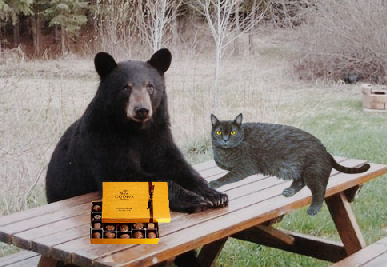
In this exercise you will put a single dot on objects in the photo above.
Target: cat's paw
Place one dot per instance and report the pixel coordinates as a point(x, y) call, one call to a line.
point(218, 199)
point(288, 192)
point(313, 210)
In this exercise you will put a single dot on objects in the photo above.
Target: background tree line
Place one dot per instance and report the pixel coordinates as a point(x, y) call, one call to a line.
point(56, 24)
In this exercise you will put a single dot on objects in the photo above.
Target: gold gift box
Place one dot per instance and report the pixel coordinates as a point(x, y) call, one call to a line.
point(131, 212)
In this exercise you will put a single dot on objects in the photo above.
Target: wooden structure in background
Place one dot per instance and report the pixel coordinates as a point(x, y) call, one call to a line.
point(374, 97)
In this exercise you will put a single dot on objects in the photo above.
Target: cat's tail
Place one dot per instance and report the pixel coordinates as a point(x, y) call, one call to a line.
point(342, 168)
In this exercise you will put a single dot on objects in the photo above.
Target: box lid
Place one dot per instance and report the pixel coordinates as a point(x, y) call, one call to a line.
point(131, 202)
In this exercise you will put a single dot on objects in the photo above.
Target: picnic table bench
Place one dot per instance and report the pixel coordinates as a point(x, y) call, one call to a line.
point(374, 255)
point(60, 231)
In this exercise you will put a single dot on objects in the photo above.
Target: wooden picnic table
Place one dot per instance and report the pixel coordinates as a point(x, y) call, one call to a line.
point(60, 231)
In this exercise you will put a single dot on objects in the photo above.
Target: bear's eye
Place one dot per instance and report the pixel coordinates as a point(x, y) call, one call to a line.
point(233, 133)
point(218, 132)
point(128, 87)
point(150, 88)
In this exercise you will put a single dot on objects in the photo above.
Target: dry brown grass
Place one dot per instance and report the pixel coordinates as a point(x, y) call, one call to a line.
point(344, 40)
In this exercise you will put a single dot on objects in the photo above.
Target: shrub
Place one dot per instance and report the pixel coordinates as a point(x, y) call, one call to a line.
point(344, 40)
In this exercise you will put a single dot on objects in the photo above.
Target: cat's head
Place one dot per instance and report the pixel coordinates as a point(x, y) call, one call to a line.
point(227, 134)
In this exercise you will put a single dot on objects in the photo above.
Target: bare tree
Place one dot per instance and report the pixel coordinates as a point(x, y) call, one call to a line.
point(226, 25)
point(154, 19)
point(114, 21)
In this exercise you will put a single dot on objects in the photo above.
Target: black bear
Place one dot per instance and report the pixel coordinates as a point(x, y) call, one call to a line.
point(124, 135)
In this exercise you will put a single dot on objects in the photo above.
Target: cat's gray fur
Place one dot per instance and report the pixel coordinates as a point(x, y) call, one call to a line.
point(273, 149)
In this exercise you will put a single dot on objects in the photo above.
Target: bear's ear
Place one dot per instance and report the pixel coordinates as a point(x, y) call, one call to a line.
point(104, 64)
point(214, 120)
point(161, 60)
point(238, 119)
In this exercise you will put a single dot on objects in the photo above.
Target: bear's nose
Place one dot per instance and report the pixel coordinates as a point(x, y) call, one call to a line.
point(141, 113)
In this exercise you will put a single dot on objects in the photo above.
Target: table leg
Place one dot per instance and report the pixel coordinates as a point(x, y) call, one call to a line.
point(167, 263)
point(294, 242)
point(210, 252)
point(345, 222)
point(47, 262)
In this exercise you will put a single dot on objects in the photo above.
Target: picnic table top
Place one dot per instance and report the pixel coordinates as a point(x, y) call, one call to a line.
point(61, 229)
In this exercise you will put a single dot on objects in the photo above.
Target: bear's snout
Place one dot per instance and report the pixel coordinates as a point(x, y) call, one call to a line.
point(141, 113)
point(139, 106)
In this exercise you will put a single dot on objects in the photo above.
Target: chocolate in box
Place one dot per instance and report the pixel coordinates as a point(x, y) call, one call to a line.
point(129, 213)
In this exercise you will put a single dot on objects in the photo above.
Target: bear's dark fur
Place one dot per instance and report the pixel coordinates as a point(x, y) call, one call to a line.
point(124, 135)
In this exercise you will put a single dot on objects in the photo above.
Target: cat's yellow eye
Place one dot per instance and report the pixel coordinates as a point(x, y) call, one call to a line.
point(233, 133)
point(218, 132)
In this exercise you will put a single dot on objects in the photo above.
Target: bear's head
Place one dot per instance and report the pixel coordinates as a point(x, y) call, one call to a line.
point(132, 90)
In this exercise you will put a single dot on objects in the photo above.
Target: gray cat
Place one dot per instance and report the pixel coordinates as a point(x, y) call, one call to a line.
point(273, 149)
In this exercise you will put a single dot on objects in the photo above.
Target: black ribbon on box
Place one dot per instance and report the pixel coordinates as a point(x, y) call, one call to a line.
point(151, 188)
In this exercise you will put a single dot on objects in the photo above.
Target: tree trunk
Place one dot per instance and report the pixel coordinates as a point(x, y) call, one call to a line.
point(218, 62)
point(1, 39)
point(36, 33)
point(62, 39)
point(16, 32)
point(57, 34)
point(175, 35)
point(238, 30)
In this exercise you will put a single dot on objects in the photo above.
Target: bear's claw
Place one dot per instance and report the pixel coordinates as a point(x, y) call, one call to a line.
point(217, 199)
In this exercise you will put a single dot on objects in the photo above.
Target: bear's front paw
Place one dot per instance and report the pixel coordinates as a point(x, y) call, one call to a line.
point(217, 199)
point(191, 204)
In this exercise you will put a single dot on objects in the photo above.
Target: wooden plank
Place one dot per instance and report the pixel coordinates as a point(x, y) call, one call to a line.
point(210, 252)
point(379, 261)
point(47, 209)
point(25, 239)
point(44, 244)
point(382, 241)
point(200, 167)
point(276, 234)
point(248, 180)
point(225, 225)
point(17, 257)
point(345, 222)
point(6, 232)
point(31, 262)
point(213, 174)
point(363, 256)
point(295, 242)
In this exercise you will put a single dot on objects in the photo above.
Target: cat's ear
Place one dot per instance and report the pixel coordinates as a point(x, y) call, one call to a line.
point(214, 120)
point(238, 119)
